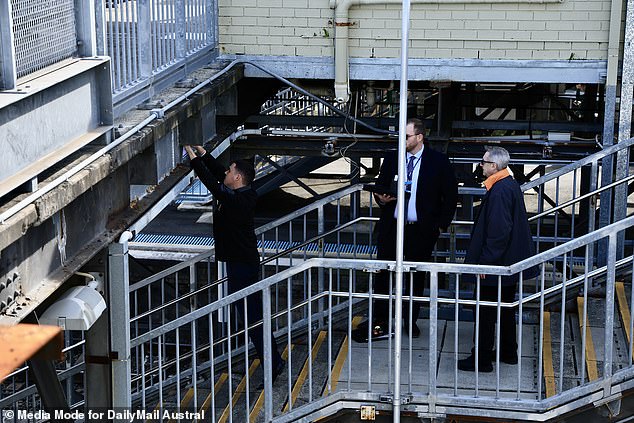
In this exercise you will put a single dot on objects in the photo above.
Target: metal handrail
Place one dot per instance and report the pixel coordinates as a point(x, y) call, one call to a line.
point(204, 288)
point(578, 164)
point(580, 198)
point(376, 265)
point(305, 210)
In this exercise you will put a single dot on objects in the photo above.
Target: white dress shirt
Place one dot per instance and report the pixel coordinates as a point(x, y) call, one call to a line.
point(410, 213)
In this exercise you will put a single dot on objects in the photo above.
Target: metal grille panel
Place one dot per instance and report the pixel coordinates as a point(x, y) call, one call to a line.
point(44, 32)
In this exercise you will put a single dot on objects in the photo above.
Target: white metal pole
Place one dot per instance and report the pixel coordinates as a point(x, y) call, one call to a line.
point(400, 214)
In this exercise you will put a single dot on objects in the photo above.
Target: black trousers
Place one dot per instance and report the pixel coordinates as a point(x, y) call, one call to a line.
point(418, 246)
point(488, 319)
point(241, 275)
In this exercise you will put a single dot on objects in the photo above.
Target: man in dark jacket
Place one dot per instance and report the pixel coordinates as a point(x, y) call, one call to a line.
point(431, 193)
point(501, 236)
point(234, 234)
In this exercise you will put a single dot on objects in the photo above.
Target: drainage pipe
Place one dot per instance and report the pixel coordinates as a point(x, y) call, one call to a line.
point(342, 23)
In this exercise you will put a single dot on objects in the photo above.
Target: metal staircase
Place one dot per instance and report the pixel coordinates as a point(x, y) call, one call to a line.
point(188, 348)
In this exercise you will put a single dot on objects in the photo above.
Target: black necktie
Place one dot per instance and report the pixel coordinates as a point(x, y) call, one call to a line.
point(408, 187)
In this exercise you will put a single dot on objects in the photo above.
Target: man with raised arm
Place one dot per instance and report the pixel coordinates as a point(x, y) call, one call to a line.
point(234, 234)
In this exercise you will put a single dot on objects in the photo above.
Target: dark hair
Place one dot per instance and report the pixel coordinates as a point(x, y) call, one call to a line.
point(246, 169)
point(419, 125)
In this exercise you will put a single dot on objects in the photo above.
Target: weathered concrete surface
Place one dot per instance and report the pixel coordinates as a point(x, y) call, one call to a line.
point(44, 244)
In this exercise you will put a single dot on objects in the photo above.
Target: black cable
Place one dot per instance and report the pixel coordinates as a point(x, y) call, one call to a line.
point(322, 101)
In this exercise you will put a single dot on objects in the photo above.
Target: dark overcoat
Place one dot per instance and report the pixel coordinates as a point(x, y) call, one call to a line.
point(501, 234)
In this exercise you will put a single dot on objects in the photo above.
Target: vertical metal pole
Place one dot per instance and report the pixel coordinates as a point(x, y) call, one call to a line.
point(98, 371)
point(144, 38)
point(119, 302)
point(320, 275)
point(609, 314)
point(100, 28)
point(85, 28)
point(625, 123)
point(181, 30)
point(594, 181)
point(8, 72)
point(400, 214)
point(433, 339)
point(268, 370)
point(193, 305)
point(209, 22)
point(614, 40)
point(215, 23)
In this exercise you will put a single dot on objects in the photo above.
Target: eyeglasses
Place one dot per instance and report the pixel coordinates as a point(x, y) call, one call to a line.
point(410, 135)
point(482, 162)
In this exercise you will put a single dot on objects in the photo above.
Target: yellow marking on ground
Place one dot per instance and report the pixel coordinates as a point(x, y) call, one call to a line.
point(339, 361)
point(221, 380)
point(189, 395)
point(304, 373)
point(590, 355)
point(260, 402)
point(239, 391)
point(549, 370)
point(624, 310)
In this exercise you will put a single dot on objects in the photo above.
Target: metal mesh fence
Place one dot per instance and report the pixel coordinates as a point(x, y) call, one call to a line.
point(44, 32)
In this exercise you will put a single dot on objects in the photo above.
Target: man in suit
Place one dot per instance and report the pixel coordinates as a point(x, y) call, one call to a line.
point(430, 204)
point(500, 236)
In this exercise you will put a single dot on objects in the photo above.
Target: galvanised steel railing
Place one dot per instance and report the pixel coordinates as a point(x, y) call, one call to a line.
point(150, 40)
point(306, 298)
point(562, 191)
point(180, 298)
point(433, 383)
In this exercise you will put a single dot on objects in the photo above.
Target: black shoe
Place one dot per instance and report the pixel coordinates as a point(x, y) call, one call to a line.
point(379, 332)
point(415, 330)
point(468, 365)
point(510, 358)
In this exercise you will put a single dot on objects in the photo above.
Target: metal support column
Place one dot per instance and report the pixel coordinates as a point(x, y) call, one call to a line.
point(400, 214)
point(119, 305)
point(8, 73)
point(614, 39)
point(625, 123)
point(85, 28)
point(98, 370)
point(609, 314)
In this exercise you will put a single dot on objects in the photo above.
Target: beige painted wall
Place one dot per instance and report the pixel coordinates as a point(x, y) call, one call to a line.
point(577, 28)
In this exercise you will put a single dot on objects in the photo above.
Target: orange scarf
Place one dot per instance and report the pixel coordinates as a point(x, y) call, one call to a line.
point(491, 180)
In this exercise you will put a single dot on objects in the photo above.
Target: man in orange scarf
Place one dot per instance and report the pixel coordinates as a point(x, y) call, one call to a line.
point(501, 236)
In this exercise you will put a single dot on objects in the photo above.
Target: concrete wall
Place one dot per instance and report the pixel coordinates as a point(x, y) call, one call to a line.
point(576, 29)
